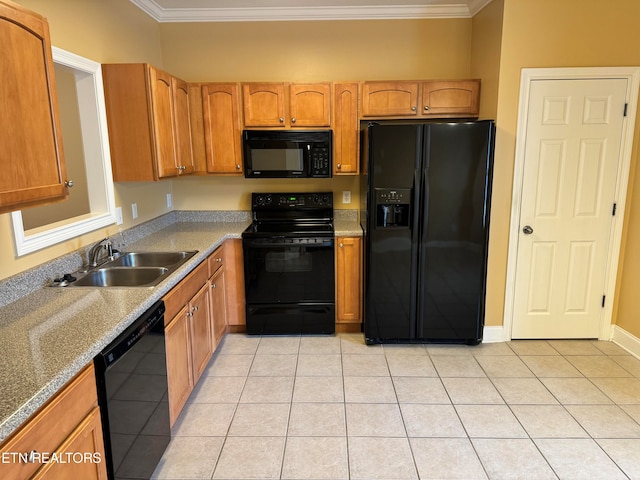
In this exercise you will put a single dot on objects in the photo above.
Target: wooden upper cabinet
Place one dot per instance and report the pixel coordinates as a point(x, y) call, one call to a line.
point(310, 105)
point(162, 121)
point(383, 99)
point(182, 126)
point(346, 128)
point(264, 104)
point(451, 98)
point(286, 105)
point(432, 98)
point(33, 168)
point(149, 122)
point(222, 128)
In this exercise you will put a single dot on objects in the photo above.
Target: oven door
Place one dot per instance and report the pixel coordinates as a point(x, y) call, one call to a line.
point(289, 285)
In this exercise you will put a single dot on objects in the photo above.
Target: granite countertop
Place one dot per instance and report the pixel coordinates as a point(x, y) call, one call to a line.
point(49, 335)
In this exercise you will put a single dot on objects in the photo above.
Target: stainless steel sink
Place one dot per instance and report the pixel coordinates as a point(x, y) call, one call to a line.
point(122, 277)
point(131, 269)
point(150, 259)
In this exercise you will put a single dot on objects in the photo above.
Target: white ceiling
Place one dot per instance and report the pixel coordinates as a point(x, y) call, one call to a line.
point(261, 10)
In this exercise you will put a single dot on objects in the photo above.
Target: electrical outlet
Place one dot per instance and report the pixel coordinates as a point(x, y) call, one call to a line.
point(119, 220)
point(346, 196)
point(169, 200)
point(134, 210)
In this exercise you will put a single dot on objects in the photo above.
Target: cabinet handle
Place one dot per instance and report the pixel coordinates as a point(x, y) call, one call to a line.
point(281, 120)
point(218, 260)
point(339, 166)
point(68, 183)
point(181, 168)
point(31, 456)
point(413, 109)
point(341, 244)
point(189, 314)
point(213, 286)
point(426, 107)
point(194, 308)
point(293, 119)
point(237, 166)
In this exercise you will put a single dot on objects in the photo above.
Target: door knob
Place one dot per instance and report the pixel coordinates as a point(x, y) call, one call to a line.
point(527, 230)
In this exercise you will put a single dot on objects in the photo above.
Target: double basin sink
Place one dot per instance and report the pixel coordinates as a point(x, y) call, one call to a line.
point(133, 269)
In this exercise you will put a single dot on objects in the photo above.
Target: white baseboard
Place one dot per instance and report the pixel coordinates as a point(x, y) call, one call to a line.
point(629, 342)
point(493, 334)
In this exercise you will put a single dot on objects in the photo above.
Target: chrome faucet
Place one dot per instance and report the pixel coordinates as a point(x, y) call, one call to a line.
point(94, 253)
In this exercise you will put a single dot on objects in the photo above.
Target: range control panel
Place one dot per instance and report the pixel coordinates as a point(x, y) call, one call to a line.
point(275, 201)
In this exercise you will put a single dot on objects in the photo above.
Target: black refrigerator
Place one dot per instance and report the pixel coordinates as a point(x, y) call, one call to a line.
point(425, 199)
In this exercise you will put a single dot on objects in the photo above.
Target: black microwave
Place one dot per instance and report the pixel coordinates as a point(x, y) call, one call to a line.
point(287, 153)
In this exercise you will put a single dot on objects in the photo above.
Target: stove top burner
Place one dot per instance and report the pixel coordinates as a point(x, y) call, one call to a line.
point(289, 229)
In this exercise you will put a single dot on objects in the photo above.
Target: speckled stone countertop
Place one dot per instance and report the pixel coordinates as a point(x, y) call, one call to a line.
point(49, 335)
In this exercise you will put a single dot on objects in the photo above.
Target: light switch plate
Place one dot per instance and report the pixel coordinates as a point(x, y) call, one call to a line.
point(119, 220)
point(346, 196)
point(134, 210)
point(169, 200)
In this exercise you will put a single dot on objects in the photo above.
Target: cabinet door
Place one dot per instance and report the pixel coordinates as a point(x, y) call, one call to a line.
point(87, 448)
point(218, 306)
point(264, 104)
point(182, 127)
point(346, 128)
point(383, 99)
point(162, 119)
point(31, 155)
point(310, 105)
point(234, 282)
point(222, 128)
point(179, 371)
point(459, 98)
point(348, 279)
point(200, 331)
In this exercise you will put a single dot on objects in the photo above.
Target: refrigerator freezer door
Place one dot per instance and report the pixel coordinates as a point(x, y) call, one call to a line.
point(390, 241)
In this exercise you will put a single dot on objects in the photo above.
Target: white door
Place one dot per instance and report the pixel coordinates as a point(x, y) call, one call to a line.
point(571, 159)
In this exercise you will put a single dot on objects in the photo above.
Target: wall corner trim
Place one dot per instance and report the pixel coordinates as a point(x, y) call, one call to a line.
point(626, 340)
point(493, 334)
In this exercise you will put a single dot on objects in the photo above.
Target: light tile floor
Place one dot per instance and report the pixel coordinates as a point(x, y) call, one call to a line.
point(333, 408)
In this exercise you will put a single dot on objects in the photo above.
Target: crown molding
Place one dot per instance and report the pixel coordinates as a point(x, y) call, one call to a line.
point(464, 9)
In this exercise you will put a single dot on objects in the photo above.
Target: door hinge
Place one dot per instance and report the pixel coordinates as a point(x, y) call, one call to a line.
point(603, 298)
point(615, 207)
point(626, 105)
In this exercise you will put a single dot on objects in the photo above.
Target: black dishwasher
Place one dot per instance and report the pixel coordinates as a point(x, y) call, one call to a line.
point(131, 375)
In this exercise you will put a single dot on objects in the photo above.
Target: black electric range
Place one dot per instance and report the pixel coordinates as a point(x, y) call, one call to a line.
point(289, 264)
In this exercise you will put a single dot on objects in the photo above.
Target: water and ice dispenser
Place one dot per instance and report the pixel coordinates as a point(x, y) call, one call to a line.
point(393, 207)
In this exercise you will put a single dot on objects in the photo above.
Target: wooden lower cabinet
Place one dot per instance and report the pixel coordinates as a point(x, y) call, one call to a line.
point(196, 319)
point(201, 332)
point(179, 370)
point(234, 284)
point(218, 311)
point(348, 283)
point(67, 424)
point(85, 439)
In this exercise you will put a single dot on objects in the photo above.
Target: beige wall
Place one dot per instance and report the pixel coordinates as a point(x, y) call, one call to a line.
point(561, 33)
point(103, 31)
point(486, 42)
point(318, 50)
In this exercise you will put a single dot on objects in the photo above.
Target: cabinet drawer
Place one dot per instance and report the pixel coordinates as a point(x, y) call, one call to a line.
point(216, 260)
point(52, 424)
point(180, 295)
